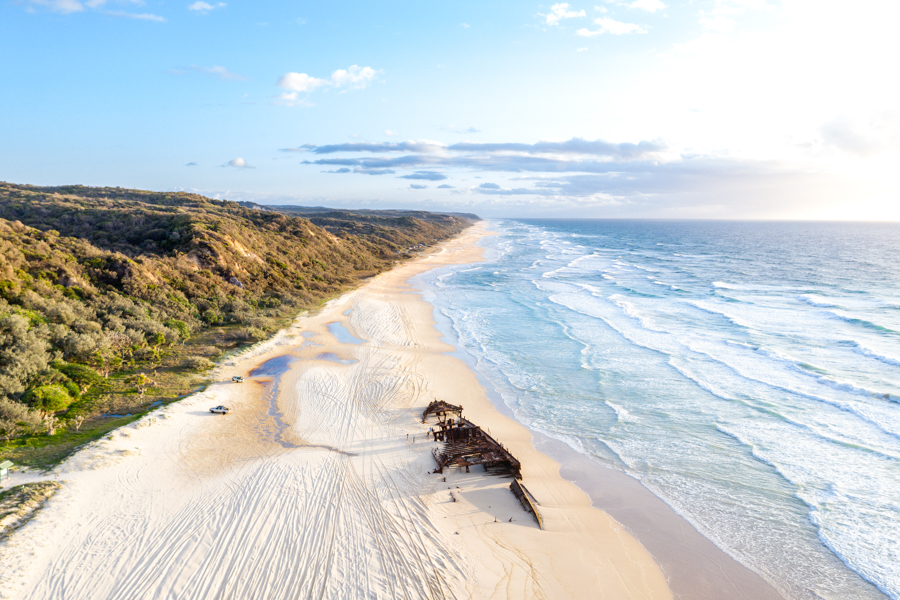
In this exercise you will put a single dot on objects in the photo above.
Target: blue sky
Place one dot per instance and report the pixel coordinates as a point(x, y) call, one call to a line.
point(646, 108)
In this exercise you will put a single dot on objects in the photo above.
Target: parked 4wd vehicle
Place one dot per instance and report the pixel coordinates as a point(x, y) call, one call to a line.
point(220, 410)
point(237, 379)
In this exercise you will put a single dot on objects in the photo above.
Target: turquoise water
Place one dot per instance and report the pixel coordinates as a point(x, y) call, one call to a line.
point(747, 373)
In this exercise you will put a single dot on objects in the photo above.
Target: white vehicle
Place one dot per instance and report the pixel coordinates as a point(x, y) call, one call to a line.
point(220, 410)
point(237, 379)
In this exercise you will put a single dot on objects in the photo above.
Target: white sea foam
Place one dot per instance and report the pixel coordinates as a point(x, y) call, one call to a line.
point(890, 360)
point(729, 400)
point(817, 301)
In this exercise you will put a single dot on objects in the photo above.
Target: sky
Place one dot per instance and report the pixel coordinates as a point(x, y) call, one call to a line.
point(722, 109)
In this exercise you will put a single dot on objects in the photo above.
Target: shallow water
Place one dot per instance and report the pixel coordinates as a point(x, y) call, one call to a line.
point(747, 373)
point(331, 356)
point(275, 426)
point(342, 334)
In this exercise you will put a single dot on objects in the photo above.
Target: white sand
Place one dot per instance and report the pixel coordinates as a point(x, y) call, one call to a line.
point(315, 492)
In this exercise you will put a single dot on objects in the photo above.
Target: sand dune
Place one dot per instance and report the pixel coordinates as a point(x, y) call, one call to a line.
point(311, 488)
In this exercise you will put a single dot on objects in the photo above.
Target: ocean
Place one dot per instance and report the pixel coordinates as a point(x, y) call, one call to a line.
point(747, 373)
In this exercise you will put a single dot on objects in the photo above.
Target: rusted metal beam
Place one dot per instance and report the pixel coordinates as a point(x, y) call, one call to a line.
point(527, 500)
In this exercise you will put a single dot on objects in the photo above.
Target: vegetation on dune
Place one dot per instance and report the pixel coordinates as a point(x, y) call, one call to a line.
point(20, 503)
point(112, 299)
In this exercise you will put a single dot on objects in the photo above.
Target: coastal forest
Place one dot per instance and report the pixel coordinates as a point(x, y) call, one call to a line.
point(113, 301)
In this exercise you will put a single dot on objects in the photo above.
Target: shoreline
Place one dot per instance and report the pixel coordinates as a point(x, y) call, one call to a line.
point(694, 566)
point(311, 478)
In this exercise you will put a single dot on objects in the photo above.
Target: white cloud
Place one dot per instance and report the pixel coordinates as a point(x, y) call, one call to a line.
point(63, 6)
point(464, 25)
point(648, 5)
point(205, 7)
point(238, 163)
point(220, 72)
point(718, 23)
point(138, 16)
point(300, 82)
point(388, 132)
point(291, 99)
point(863, 137)
point(99, 3)
point(457, 129)
point(611, 26)
point(72, 6)
point(354, 77)
point(561, 11)
point(351, 78)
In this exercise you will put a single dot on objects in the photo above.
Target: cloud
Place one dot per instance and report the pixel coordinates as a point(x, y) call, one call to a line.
point(354, 77)
point(138, 16)
point(648, 5)
point(408, 146)
point(373, 171)
point(878, 134)
point(238, 163)
point(427, 175)
point(464, 25)
point(351, 78)
point(718, 23)
point(299, 82)
point(205, 7)
point(191, 164)
point(303, 148)
point(389, 132)
point(611, 26)
point(456, 129)
point(416, 186)
point(561, 11)
point(220, 72)
point(291, 99)
point(72, 6)
point(62, 6)
point(554, 168)
point(574, 146)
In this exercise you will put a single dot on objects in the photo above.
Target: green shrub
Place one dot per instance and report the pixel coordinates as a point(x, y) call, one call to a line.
point(198, 363)
point(49, 398)
point(182, 328)
point(82, 375)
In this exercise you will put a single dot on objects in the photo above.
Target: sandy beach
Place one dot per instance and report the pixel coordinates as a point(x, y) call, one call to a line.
point(319, 484)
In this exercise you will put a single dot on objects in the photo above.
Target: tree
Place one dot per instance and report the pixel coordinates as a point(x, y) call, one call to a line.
point(51, 423)
point(17, 413)
point(78, 421)
point(23, 354)
point(10, 429)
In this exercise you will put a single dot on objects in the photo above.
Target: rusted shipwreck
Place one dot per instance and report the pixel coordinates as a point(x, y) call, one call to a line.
point(527, 500)
point(441, 410)
point(467, 444)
